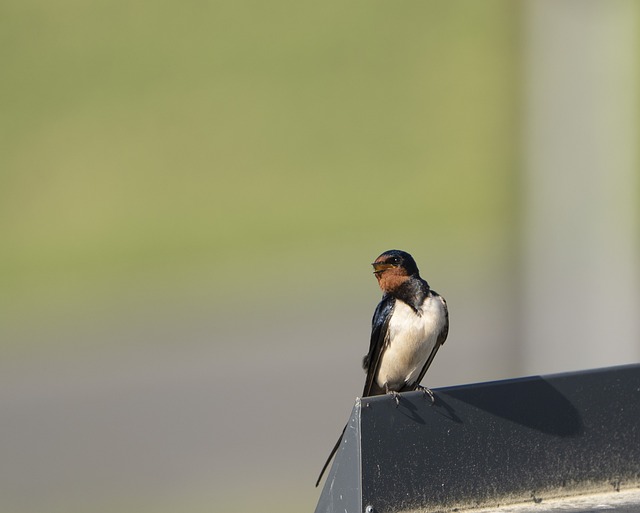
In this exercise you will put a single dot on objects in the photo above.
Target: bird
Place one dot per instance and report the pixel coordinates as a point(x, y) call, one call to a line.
point(409, 325)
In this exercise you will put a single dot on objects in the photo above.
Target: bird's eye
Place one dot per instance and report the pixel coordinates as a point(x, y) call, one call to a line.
point(395, 260)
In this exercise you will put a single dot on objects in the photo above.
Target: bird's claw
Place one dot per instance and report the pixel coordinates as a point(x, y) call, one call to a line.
point(395, 395)
point(428, 392)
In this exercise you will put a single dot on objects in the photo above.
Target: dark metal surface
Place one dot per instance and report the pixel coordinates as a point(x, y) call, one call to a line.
point(512, 441)
point(346, 495)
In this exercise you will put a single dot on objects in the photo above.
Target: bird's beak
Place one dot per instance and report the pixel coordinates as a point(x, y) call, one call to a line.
point(378, 267)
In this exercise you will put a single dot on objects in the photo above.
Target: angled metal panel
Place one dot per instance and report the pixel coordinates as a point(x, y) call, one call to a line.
point(342, 491)
point(500, 442)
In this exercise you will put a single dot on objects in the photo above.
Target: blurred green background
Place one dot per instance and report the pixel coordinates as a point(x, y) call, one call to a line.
point(151, 146)
point(191, 195)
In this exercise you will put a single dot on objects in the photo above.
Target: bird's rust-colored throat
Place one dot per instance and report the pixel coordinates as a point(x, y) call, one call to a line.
point(389, 276)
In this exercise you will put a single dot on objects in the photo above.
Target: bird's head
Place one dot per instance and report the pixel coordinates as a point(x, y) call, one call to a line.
point(393, 268)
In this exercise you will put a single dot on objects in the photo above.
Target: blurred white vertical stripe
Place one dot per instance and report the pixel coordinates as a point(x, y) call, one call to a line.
point(581, 239)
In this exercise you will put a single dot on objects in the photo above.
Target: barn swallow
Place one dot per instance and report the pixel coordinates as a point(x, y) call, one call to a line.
point(409, 325)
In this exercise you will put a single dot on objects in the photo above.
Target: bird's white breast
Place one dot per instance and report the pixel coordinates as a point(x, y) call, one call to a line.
point(412, 338)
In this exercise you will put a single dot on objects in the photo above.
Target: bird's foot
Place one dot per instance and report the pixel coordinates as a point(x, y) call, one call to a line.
point(395, 395)
point(426, 392)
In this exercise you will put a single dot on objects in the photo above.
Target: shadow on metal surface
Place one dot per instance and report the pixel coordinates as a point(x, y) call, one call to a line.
point(530, 402)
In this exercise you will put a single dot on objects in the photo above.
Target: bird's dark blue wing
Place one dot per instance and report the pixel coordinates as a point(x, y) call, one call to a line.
point(442, 336)
point(379, 338)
